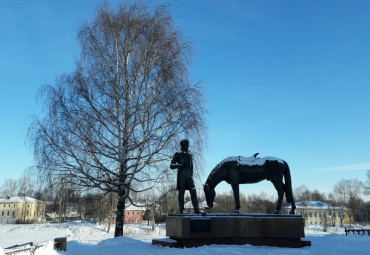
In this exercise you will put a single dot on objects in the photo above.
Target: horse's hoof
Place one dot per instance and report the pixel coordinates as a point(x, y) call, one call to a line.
point(291, 212)
point(276, 212)
point(236, 211)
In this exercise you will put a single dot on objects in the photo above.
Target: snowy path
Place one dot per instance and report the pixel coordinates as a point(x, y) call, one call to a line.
point(92, 239)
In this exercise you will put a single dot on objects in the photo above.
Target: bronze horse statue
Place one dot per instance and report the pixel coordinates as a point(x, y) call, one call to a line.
point(239, 170)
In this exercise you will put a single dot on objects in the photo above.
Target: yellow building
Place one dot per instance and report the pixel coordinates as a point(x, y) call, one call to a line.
point(18, 209)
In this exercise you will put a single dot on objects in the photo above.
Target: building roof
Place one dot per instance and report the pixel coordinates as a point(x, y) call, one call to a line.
point(315, 205)
point(131, 207)
point(19, 199)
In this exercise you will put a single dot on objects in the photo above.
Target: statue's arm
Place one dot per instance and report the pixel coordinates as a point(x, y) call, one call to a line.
point(174, 162)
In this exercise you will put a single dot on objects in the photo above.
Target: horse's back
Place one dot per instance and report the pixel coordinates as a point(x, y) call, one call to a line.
point(250, 161)
point(253, 170)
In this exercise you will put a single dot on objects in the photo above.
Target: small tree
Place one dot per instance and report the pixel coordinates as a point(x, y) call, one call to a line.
point(9, 188)
point(108, 207)
point(367, 185)
point(302, 193)
point(26, 187)
point(114, 122)
point(347, 192)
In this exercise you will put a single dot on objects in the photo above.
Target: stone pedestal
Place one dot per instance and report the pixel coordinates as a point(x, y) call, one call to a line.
point(255, 229)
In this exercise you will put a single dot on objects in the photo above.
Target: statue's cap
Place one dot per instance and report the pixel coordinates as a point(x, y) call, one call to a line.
point(184, 142)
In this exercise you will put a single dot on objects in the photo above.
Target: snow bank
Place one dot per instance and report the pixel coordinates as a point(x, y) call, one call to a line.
point(337, 244)
point(47, 249)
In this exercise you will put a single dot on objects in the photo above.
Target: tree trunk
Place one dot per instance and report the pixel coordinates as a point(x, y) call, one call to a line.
point(109, 224)
point(120, 214)
point(153, 218)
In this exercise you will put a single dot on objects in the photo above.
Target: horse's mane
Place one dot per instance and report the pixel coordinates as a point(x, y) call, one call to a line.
point(216, 170)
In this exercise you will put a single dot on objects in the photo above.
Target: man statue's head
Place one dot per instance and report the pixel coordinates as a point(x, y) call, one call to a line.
point(184, 143)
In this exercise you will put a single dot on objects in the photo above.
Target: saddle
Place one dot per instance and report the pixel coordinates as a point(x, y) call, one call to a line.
point(244, 160)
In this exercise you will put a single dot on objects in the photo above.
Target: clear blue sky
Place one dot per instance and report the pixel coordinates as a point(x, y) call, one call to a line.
point(288, 79)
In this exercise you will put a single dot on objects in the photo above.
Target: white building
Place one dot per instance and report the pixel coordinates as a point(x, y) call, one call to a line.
point(317, 212)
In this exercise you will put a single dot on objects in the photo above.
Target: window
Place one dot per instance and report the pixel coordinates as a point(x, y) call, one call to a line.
point(137, 220)
point(137, 213)
point(128, 221)
point(128, 213)
point(7, 213)
point(132, 220)
point(13, 213)
point(2, 214)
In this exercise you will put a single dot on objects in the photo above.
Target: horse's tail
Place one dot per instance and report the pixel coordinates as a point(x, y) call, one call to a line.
point(288, 185)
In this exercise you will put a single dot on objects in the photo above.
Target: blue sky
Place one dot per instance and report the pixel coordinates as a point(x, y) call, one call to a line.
point(288, 79)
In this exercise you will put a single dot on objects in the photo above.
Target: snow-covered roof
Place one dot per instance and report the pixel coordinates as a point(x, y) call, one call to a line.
point(315, 205)
point(131, 207)
point(19, 199)
point(189, 205)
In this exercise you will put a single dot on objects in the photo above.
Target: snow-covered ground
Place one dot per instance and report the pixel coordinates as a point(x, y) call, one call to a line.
point(84, 238)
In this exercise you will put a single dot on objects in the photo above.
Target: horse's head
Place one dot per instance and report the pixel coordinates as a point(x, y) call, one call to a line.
point(210, 195)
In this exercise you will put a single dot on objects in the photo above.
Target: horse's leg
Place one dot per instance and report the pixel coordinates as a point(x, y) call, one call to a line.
point(235, 187)
point(280, 190)
point(292, 211)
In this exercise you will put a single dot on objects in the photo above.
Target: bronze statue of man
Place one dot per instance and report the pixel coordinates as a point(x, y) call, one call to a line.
point(183, 161)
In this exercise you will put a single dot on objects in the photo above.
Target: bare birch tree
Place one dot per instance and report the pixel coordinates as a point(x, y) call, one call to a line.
point(114, 122)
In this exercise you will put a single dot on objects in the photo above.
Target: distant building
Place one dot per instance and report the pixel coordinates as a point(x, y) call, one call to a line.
point(133, 214)
point(18, 209)
point(317, 212)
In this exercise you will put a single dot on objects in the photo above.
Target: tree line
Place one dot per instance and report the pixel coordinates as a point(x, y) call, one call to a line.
point(62, 199)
